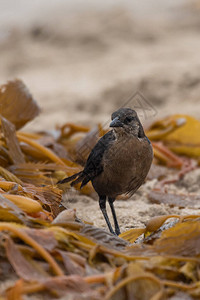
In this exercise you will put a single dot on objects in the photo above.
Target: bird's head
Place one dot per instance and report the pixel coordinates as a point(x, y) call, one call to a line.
point(126, 120)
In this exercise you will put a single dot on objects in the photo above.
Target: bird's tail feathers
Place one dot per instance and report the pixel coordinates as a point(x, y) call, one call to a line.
point(86, 179)
point(79, 179)
point(70, 178)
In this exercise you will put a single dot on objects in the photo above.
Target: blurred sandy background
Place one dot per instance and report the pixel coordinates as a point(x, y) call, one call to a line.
point(83, 59)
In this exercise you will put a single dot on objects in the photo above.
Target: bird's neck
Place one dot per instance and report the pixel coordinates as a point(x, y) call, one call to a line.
point(120, 133)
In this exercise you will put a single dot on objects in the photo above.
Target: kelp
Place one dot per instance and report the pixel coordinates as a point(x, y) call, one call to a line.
point(180, 133)
point(54, 254)
point(48, 252)
point(17, 104)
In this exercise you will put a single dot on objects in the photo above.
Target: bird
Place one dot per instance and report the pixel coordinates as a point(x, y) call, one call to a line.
point(119, 162)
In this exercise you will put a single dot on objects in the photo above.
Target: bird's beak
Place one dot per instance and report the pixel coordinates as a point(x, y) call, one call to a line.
point(116, 123)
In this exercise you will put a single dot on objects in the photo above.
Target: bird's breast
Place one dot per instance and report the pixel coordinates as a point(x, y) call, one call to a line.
point(125, 166)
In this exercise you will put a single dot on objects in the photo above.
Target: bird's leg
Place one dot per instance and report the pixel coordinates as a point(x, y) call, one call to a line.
point(117, 230)
point(102, 204)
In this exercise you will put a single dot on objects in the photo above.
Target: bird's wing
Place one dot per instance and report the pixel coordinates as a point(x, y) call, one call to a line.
point(94, 165)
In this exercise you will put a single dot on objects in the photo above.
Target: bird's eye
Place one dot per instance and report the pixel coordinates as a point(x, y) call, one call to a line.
point(128, 120)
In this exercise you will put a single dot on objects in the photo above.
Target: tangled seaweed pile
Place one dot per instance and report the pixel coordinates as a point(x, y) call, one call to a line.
point(47, 253)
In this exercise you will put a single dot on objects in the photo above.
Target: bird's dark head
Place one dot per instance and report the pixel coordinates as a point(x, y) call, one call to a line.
point(126, 120)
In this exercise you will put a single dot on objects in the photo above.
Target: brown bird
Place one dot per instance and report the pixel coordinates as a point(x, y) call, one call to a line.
point(118, 163)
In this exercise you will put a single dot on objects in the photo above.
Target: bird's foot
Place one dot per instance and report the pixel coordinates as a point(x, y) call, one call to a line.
point(117, 231)
point(112, 231)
